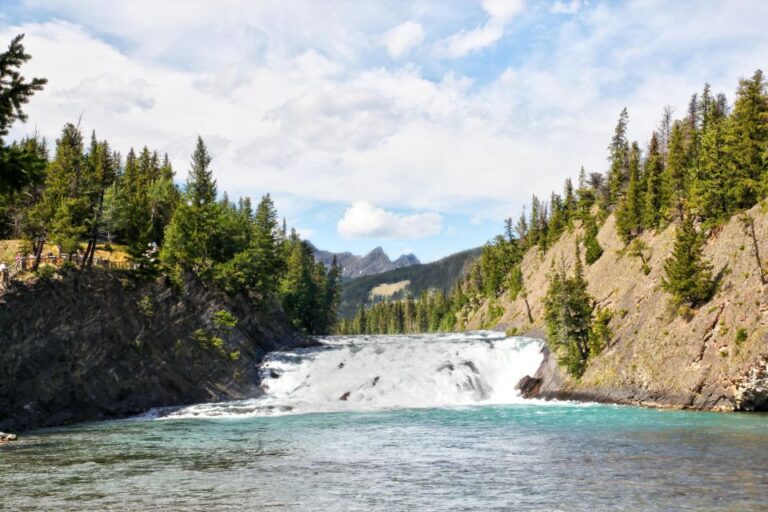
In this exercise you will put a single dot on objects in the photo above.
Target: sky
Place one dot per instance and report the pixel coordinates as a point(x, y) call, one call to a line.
point(416, 126)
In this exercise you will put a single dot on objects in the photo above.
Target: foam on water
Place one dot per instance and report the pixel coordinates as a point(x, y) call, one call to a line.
point(386, 372)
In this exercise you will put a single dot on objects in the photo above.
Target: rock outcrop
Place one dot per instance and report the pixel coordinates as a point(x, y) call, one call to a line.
point(375, 262)
point(708, 358)
point(95, 344)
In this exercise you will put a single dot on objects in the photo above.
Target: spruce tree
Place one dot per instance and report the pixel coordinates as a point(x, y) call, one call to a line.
point(629, 214)
point(618, 174)
point(688, 275)
point(746, 140)
point(14, 93)
point(593, 248)
point(568, 316)
point(675, 180)
point(201, 187)
point(709, 197)
point(654, 168)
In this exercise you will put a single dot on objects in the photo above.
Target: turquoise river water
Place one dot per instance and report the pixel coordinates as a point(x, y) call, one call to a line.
point(397, 424)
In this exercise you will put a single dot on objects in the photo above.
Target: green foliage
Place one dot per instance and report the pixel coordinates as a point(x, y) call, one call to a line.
point(439, 275)
point(573, 327)
point(688, 276)
point(15, 169)
point(600, 333)
point(618, 175)
point(741, 335)
point(592, 246)
point(146, 308)
point(629, 214)
point(223, 320)
point(430, 312)
point(46, 272)
point(639, 249)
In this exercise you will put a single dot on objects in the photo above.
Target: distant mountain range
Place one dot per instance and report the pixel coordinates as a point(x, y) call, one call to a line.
point(354, 266)
point(407, 280)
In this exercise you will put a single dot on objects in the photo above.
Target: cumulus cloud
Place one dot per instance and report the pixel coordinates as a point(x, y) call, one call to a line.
point(310, 109)
point(500, 13)
point(402, 38)
point(365, 220)
point(110, 94)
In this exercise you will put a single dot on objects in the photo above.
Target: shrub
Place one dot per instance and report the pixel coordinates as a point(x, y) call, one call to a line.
point(46, 272)
point(146, 307)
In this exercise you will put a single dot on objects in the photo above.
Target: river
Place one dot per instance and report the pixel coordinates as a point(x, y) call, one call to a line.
point(396, 423)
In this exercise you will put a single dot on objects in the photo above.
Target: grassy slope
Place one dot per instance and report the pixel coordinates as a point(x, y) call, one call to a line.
point(655, 355)
point(9, 248)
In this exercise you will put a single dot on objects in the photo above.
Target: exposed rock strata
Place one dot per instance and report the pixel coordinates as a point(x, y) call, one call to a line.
point(95, 345)
point(658, 357)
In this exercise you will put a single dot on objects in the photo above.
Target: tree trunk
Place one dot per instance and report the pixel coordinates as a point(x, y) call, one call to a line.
point(38, 252)
point(528, 309)
point(757, 251)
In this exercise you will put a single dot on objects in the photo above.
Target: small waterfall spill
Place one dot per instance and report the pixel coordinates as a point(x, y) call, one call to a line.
point(385, 372)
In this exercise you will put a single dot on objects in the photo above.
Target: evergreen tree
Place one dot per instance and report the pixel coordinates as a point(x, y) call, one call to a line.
point(629, 214)
point(688, 275)
point(14, 93)
point(674, 184)
point(654, 168)
point(201, 187)
point(746, 140)
point(710, 189)
point(593, 248)
point(63, 210)
point(618, 175)
point(568, 316)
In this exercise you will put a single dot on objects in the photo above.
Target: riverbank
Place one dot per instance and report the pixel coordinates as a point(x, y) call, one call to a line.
point(708, 358)
point(92, 345)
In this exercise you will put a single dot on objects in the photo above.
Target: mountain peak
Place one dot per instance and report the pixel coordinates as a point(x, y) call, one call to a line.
point(375, 262)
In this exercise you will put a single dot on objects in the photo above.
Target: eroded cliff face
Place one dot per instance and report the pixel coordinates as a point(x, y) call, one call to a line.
point(657, 357)
point(94, 345)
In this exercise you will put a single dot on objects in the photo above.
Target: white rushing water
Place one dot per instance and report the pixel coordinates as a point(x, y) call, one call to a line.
point(385, 372)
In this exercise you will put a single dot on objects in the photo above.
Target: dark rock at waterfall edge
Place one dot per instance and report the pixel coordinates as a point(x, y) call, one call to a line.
point(96, 345)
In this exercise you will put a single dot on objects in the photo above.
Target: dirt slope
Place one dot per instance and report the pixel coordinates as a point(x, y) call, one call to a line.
point(656, 357)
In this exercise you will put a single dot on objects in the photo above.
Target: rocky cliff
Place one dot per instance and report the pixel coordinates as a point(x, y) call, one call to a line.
point(354, 266)
point(93, 345)
point(712, 358)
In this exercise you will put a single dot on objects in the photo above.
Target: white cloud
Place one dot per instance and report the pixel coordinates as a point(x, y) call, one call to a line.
point(403, 38)
point(110, 94)
point(295, 111)
point(561, 7)
point(466, 41)
point(365, 220)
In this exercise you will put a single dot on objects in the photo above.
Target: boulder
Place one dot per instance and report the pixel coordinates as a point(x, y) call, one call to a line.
point(529, 386)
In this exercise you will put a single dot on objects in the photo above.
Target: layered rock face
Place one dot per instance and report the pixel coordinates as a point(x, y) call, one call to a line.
point(711, 358)
point(94, 345)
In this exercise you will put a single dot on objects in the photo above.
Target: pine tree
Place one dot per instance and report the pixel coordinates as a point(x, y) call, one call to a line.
point(688, 275)
point(593, 248)
point(100, 175)
point(568, 316)
point(14, 93)
point(618, 174)
point(629, 214)
point(709, 197)
point(746, 140)
point(675, 178)
point(201, 187)
point(64, 208)
point(654, 168)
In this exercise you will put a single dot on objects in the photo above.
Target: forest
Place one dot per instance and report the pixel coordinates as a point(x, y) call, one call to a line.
point(81, 194)
point(695, 172)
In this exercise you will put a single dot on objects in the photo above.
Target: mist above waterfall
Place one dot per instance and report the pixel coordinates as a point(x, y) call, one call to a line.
point(385, 372)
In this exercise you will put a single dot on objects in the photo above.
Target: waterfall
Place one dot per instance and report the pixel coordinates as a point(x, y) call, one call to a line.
point(386, 372)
